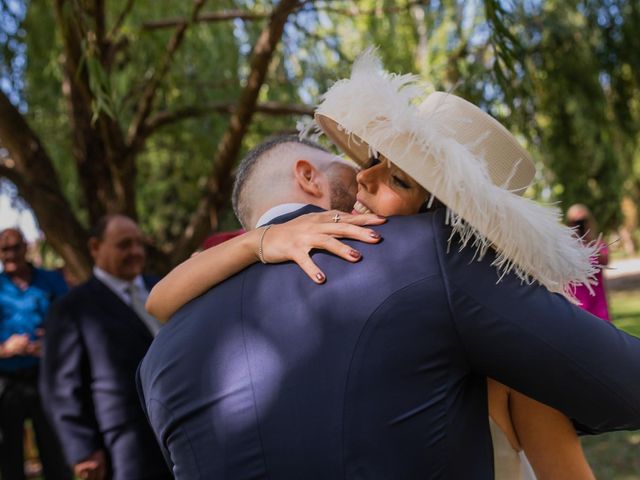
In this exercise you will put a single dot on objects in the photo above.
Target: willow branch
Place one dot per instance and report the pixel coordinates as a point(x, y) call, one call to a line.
point(225, 15)
point(120, 20)
point(206, 17)
point(354, 10)
point(162, 119)
point(100, 28)
point(150, 89)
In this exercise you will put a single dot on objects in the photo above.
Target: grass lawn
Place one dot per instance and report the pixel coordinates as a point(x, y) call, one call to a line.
point(616, 456)
point(625, 306)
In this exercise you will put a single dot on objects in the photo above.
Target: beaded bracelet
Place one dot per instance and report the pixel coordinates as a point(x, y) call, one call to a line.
point(260, 251)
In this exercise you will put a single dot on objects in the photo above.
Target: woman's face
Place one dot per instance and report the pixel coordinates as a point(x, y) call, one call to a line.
point(386, 190)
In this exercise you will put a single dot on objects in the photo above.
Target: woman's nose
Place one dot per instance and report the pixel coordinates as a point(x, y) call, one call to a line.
point(365, 179)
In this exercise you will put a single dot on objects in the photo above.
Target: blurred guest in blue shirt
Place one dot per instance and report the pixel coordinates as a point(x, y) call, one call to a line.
point(25, 295)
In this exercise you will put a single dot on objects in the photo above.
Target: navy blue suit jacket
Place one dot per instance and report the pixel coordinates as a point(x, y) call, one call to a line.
point(93, 345)
point(380, 372)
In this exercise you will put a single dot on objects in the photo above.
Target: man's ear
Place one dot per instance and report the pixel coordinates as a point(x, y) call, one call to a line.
point(308, 178)
point(93, 245)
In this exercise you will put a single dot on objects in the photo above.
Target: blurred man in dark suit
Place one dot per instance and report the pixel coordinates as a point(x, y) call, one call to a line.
point(96, 337)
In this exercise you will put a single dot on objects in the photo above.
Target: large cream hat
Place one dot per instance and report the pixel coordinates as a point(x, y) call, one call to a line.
point(466, 159)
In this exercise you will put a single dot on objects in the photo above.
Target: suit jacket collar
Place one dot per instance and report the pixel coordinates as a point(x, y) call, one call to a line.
point(277, 211)
point(118, 285)
point(295, 214)
point(113, 305)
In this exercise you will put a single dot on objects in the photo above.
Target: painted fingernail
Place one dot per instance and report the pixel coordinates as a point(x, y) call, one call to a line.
point(354, 253)
point(320, 276)
point(374, 234)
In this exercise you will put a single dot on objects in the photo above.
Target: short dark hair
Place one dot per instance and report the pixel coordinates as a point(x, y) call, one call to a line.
point(248, 163)
point(16, 230)
point(100, 227)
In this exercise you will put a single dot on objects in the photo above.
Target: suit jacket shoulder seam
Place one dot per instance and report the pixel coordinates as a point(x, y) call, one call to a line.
point(355, 347)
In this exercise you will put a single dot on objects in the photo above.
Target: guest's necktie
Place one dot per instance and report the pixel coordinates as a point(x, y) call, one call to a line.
point(137, 304)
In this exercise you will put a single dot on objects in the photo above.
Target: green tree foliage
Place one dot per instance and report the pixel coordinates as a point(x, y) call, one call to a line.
point(562, 75)
point(137, 108)
point(580, 100)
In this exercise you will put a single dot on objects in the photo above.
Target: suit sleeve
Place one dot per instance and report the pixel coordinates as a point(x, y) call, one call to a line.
point(65, 384)
point(143, 402)
point(543, 346)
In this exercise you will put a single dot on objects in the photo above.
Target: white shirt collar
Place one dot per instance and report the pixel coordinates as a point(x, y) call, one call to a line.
point(277, 211)
point(118, 285)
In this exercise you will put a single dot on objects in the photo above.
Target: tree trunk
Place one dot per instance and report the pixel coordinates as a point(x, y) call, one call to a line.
point(31, 170)
point(107, 173)
point(219, 180)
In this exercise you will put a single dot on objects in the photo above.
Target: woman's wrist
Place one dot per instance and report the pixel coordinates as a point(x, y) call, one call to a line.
point(251, 244)
point(261, 244)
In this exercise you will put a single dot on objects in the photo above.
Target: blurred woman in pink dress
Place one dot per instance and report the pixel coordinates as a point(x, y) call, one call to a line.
point(580, 217)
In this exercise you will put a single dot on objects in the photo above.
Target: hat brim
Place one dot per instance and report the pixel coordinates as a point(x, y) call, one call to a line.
point(501, 149)
point(351, 144)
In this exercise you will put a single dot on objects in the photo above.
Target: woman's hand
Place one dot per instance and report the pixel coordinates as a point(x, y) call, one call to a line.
point(280, 243)
point(296, 238)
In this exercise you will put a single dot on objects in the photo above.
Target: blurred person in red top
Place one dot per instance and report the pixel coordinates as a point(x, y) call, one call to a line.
point(219, 237)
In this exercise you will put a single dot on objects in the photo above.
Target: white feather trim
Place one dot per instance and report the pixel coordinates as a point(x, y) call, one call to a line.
point(528, 238)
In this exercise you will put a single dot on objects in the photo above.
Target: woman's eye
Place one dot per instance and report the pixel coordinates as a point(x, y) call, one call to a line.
point(373, 161)
point(401, 183)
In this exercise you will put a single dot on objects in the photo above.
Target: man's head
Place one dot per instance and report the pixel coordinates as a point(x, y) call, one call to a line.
point(117, 246)
point(579, 216)
point(13, 250)
point(577, 212)
point(287, 169)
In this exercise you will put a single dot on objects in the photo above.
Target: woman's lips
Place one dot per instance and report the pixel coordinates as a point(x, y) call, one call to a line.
point(359, 208)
